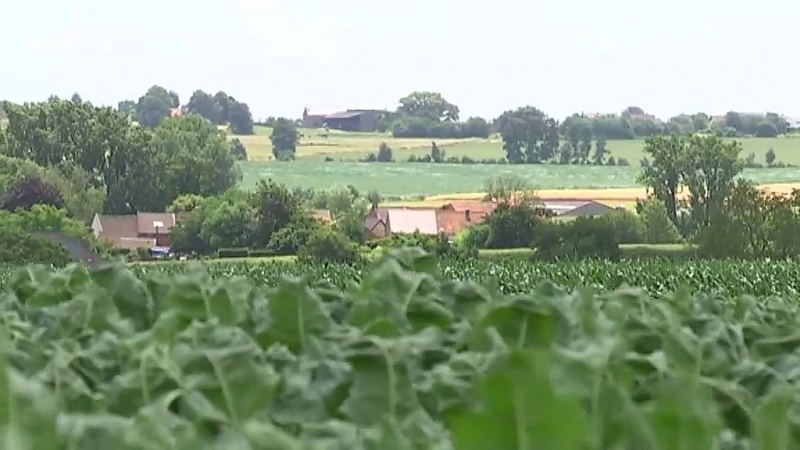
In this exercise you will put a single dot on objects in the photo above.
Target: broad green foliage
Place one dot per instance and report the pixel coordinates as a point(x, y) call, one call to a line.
point(405, 359)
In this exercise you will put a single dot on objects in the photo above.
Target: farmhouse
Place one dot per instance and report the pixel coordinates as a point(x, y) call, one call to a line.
point(448, 219)
point(577, 208)
point(363, 120)
point(315, 117)
point(383, 222)
point(453, 217)
point(792, 125)
point(140, 230)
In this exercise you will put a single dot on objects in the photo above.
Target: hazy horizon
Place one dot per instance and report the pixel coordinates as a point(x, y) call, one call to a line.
point(562, 57)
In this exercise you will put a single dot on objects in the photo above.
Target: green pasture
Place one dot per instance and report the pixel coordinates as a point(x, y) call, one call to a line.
point(346, 146)
point(409, 179)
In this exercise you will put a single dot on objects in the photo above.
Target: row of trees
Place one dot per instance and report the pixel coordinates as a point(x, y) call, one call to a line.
point(158, 104)
point(99, 161)
point(697, 181)
point(272, 219)
point(429, 114)
point(521, 221)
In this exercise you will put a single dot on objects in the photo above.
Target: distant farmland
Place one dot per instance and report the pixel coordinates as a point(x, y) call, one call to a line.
point(353, 146)
point(409, 179)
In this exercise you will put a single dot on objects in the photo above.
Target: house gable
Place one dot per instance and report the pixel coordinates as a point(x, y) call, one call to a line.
point(589, 209)
point(133, 230)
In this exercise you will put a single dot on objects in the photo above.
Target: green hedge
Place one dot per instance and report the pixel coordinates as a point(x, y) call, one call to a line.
point(667, 251)
point(241, 252)
point(627, 251)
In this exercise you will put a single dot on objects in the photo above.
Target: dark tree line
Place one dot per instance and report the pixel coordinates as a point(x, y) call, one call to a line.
point(98, 156)
point(158, 104)
point(429, 114)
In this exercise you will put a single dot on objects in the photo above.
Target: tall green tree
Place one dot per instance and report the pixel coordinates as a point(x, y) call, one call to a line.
point(154, 106)
point(275, 207)
point(58, 132)
point(196, 158)
point(428, 105)
point(529, 136)
point(127, 107)
point(285, 138)
point(223, 103)
point(203, 104)
point(709, 169)
point(663, 174)
point(240, 119)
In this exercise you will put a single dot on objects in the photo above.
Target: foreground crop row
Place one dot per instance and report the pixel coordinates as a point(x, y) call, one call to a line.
point(402, 360)
point(760, 278)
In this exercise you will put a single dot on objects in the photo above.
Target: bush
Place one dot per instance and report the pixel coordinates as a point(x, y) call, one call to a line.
point(418, 127)
point(241, 252)
point(512, 226)
point(32, 190)
point(139, 254)
point(584, 237)
point(328, 246)
point(19, 248)
point(628, 227)
point(475, 236)
point(289, 239)
point(659, 229)
point(238, 150)
point(436, 244)
point(668, 251)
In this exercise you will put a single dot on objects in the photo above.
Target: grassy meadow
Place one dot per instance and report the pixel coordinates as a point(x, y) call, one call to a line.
point(344, 146)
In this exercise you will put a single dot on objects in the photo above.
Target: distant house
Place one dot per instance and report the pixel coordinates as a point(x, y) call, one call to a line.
point(363, 120)
point(719, 119)
point(353, 120)
point(455, 216)
point(376, 223)
point(176, 112)
point(577, 208)
point(140, 230)
point(315, 117)
point(383, 222)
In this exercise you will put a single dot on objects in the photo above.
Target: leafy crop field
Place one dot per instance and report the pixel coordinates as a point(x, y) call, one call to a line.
point(513, 276)
point(406, 179)
point(172, 357)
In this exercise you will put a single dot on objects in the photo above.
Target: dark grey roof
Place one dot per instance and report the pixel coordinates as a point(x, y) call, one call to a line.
point(345, 115)
point(588, 209)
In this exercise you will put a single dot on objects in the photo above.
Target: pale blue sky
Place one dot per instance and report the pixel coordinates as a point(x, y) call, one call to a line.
point(561, 56)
